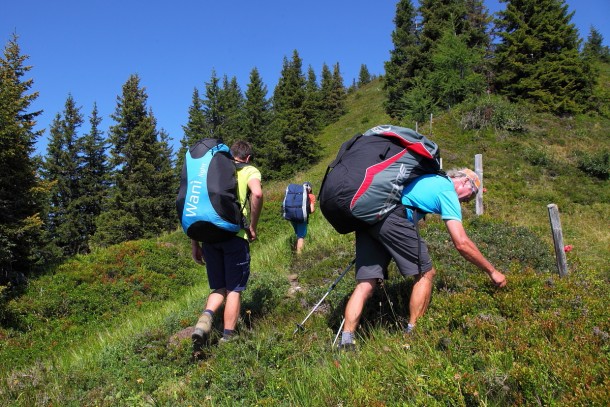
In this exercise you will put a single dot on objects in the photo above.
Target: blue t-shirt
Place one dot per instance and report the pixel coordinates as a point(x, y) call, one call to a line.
point(432, 194)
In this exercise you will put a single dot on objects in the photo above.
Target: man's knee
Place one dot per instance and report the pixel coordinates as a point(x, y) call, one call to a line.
point(428, 274)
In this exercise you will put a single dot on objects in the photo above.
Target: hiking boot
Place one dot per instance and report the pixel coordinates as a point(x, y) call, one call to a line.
point(203, 327)
point(347, 347)
point(226, 339)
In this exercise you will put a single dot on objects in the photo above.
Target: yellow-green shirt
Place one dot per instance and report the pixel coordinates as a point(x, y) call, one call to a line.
point(244, 175)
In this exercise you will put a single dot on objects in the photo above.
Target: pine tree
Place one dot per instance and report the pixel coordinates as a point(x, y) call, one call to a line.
point(62, 168)
point(405, 59)
point(290, 120)
point(141, 201)
point(21, 193)
point(339, 93)
point(537, 58)
point(364, 76)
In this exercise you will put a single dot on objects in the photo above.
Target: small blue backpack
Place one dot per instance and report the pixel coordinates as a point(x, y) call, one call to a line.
point(295, 206)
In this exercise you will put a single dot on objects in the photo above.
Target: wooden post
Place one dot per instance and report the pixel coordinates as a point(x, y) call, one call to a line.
point(560, 254)
point(478, 169)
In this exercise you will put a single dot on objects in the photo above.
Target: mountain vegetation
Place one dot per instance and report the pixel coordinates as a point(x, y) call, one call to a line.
point(97, 285)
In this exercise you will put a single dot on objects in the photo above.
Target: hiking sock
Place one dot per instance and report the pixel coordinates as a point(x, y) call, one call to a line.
point(209, 311)
point(409, 328)
point(347, 337)
point(228, 333)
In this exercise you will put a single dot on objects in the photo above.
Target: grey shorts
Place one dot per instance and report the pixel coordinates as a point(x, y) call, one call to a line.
point(393, 238)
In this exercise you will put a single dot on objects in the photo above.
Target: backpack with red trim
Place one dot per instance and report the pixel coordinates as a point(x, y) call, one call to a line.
point(365, 181)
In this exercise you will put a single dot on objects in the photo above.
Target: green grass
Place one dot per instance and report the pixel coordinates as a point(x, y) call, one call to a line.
point(99, 330)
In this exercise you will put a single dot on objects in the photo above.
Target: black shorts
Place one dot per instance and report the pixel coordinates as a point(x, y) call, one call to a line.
point(393, 238)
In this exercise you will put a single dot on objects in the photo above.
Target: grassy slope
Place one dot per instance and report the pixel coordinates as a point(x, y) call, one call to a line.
point(542, 340)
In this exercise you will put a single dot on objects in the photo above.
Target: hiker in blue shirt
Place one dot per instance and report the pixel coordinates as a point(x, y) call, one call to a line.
point(397, 237)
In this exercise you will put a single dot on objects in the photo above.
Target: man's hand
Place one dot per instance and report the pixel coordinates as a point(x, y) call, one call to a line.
point(497, 278)
point(196, 252)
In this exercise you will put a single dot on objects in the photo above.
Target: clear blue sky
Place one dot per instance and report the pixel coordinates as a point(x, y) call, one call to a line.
point(89, 48)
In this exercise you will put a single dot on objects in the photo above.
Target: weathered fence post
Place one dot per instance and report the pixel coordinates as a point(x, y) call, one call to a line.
point(478, 168)
point(560, 255)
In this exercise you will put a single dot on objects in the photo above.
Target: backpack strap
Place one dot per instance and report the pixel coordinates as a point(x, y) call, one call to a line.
point(238, 166)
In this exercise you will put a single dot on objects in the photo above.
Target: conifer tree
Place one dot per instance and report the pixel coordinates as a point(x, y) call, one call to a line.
point(21, 194)
point(364, 76)
point(257, 121)
point(594, 47)
point(141, 201)
point(94, 181)
point(537, 58)
point(212, 107)
point(405, 60)
point(326, 95)
point(290, 120)
point(232, 106)
point(338, 94)
point(453, 76)
point(313, 103)
point(61, 167)
point(194, 130)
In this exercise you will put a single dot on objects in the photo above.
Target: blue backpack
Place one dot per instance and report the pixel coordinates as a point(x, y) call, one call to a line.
point(207, 203)
point(296, 203)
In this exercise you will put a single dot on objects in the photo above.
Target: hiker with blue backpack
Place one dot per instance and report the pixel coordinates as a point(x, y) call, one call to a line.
point(217, 185)
point(299, 202)
point(379, 186)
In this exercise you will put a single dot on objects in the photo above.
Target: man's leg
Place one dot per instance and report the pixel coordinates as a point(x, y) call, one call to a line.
point(232, 308)
point(300, 244)
point(420, 296)
point(353, 309)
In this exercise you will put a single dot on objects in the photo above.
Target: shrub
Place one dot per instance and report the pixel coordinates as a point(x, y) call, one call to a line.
point(595, 164)
point(492, 111)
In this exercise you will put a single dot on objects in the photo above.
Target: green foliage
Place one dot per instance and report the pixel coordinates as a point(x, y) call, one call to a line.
point(596, 164)
point(492, 111)
point(88, 293)
point(541, 340)
point(537, 58)
point(21, 192)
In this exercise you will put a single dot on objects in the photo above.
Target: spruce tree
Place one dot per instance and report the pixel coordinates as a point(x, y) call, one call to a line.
point(257, 121)
point(141, 200)
point(21, 201)
point(232, 107)
point(61, 167)
point(537, 58)
point(338, 94)
point(364, 76)
point(405, 60)
point(94, 181)
point(212, 106)
point(195, 129)
point(326, 95)
point(290, 119)
point(594, 47)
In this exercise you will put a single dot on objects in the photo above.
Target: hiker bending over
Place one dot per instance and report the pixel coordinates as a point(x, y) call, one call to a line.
point(300, 228)
point(397, 237)
point(228, 262)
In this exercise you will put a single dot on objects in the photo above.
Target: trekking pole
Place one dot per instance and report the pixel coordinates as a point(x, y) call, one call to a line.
point(339, 331)
point(300, 326)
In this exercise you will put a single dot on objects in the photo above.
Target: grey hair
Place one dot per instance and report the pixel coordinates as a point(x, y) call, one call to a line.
point(457, 173)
